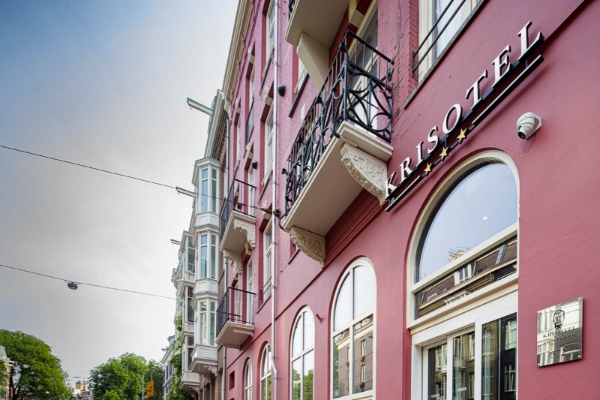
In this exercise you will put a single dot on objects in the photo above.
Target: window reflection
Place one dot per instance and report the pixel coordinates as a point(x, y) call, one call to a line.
point(438, 371)
point(480, 205)
point(463, 365)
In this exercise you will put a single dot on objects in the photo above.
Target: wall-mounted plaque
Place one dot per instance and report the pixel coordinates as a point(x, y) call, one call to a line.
point(559, 333)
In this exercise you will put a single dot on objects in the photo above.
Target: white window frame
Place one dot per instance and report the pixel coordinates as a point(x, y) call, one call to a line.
point(248, 381)
point(469, 312)
point(269, 128)
point(348, 274)
point(267, 260)
point(251, 191)
point(265, 373)
point(427, 15)
point(212, 188)
point(238, 134)
point(270, 29)
point(211, 246)
point(249, 295)
point(444, 313)
point(302, 315)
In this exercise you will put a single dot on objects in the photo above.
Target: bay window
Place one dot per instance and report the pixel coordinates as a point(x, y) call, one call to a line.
point(206, 322)
point(208, 189)
point(208, 256)
point(191, 255)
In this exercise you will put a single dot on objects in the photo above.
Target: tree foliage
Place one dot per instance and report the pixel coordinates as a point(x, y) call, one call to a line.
point(3, 380)
point(175, 393)
point(121, 378)
point(36, 373)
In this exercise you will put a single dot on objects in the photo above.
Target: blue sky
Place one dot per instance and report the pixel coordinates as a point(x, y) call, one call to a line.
point(102, 83)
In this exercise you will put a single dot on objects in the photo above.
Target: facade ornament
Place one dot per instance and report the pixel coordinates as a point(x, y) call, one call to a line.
point(309, 243)
point(370, 172)
point(248, 228)
point(237, 260)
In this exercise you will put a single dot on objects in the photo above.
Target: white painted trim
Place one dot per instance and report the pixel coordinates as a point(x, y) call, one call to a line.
point(348, 273)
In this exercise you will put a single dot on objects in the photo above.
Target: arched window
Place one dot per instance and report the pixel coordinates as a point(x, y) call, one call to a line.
point(465, 242)
point(480, 204)
point(265, 374)
point(248, 381)
point(303, 356)
point(353, 333)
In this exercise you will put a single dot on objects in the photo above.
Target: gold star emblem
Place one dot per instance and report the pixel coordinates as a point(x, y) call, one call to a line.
point(444, 153)
point(462, 135)
point(427, 169)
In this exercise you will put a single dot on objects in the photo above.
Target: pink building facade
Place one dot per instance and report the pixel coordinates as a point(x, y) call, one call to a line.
point(409, 183)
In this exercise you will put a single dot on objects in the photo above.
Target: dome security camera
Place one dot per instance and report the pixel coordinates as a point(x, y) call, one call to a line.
point(528, 124)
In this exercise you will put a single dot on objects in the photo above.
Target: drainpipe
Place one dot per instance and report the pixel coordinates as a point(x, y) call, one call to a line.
point(274, 230)
point(224, 375)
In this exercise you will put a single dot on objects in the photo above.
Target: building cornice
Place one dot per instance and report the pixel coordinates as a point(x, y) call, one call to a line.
point(240, 27)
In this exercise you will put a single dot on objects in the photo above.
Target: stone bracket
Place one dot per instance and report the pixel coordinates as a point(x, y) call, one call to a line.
point(370, 172)
point(309, 243)
point(248, 228)
point(237, 260)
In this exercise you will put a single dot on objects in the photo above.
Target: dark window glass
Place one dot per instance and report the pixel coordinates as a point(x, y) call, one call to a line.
point(480, 205)
point(499, 363)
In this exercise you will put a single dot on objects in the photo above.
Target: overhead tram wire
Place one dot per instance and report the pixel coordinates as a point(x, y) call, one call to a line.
point(113, 173)
point(84, 283)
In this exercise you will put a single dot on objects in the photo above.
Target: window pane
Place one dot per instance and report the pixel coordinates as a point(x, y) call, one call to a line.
point(297, 380)
point(213, 199)
point(508, 358)
point(297, 341)
point(489, 355)
point(438, 366)
point(204, 195)
point(341, 364)
point(309, 330)
point(203, 258)
point(213, 257)
point(363, 364)
point(308, 376)
point(364, 291)
point(481, 205)
point(341, 314)
point(463, 364)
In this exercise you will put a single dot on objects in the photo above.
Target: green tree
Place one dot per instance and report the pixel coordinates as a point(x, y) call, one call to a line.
point(121, 378)
point(36, 373)
point(3, 380)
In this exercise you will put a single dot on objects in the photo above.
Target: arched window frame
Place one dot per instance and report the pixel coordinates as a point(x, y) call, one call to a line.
point(349, 273)
point(248, 380)
point(494, 303)
point(265, 374)
point(302, 315)
point(413, 287)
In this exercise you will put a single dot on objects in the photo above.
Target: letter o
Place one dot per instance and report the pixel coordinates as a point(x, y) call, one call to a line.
point(458, 109)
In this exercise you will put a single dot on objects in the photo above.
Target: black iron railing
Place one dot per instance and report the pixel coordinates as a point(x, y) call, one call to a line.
point(250, 122)
point(291, 4)
point(237, 306)
point(416, 60)
point(358, 89)
point(233, 203)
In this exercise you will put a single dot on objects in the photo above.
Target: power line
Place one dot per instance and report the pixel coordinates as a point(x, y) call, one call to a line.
point(113, 173)
point(84, 283)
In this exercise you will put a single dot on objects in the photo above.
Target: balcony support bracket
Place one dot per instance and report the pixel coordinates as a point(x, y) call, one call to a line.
point(309, 243)
point(237, 260)
point(246, 227)
point(370, 172)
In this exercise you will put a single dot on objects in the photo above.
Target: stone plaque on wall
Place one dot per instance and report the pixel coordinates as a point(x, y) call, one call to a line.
point(559, 333)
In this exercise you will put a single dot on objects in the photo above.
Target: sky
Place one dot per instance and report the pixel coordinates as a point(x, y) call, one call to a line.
point(102, 83)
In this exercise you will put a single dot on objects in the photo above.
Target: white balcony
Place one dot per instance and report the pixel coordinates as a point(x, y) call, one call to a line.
point(190, 381)
point(233, 334)
point(204, 360)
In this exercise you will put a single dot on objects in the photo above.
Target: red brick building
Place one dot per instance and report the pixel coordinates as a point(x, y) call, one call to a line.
point(408, 184)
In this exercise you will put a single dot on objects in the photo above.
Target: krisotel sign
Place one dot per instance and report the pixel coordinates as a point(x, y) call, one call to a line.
point(456, 126)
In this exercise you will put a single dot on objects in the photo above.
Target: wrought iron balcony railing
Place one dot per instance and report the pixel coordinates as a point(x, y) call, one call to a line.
point(236, 306)
point(232, 203)
point(291, 4)
point(357, 89)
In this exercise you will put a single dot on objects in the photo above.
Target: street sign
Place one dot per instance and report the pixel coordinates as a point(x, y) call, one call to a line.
point(150, 389)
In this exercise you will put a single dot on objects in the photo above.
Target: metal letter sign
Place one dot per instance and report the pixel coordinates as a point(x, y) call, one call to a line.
point(559, 333)
point(150, 389)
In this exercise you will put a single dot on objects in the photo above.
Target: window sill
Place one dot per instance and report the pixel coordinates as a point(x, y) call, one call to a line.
point(443, 55)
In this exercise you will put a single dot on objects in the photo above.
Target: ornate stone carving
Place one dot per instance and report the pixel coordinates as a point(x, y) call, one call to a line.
point(370, 172)
point(248, 228)
point(237, 261)
point(309, 243)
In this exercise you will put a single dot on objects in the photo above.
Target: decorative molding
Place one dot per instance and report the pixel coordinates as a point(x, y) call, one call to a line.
point(237, 260)
point(309, 243)
point(248, 228)
point(370, 172)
